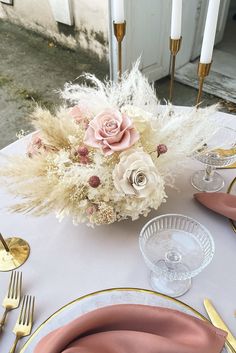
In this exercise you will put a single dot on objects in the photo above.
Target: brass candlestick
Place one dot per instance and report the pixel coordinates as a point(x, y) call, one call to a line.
point(119, 31)
point(203, 71)
point(175, 45)
point(13, 253)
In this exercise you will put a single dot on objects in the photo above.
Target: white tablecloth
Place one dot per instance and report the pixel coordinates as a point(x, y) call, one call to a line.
point(68, 261)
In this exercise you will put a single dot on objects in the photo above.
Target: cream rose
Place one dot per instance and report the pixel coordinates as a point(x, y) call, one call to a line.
point(136, 174)
point(140, 118)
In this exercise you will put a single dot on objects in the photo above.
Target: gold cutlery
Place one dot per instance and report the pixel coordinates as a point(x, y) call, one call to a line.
point(24, 322)
point(218, 322)
point(12, 298)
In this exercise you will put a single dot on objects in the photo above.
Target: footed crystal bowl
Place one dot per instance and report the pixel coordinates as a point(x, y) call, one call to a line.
point(219, 152)
point(175, 248)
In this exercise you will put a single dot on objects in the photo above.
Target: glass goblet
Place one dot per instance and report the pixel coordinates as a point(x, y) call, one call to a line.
point(220, 151)
point(175, 248)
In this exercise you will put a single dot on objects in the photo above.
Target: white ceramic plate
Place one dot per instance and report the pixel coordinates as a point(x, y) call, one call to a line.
point(100, 299)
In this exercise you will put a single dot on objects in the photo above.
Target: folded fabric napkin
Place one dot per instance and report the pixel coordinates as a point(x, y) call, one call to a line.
point(131, 328)
point(224, 204)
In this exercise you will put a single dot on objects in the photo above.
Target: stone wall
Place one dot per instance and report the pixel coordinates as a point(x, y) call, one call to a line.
point(89, 31)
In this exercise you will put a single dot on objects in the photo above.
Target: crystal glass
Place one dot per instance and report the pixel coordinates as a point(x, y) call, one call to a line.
point(220, 151)
point(175, 248)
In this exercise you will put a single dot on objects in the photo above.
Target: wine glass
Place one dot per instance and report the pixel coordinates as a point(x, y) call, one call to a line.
point(220, 151)
point(175, 248)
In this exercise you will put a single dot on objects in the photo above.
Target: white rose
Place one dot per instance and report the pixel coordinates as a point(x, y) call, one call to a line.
point(141, 119)
point(136, 174)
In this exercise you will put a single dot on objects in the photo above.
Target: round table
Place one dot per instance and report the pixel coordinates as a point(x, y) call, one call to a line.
point(68, 261)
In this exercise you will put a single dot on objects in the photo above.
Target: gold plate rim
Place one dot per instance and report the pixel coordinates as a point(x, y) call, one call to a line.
point(142, 290)
point(233, 223)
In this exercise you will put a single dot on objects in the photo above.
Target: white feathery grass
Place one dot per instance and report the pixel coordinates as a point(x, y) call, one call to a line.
point(55, 179)
point(133, 89)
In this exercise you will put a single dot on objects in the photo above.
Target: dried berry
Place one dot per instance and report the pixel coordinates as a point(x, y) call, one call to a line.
point(82, 151)
point(94, 181)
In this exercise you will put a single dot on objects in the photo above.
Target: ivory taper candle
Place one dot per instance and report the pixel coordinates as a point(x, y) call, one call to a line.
point(210, 31)
point(118, 11)
point(176, 19)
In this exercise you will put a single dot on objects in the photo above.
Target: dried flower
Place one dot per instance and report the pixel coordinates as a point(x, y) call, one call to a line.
point(112, 131)
point(82, 151)
point(91, 210)
point(84, 160)
point(120, 177)
point(105, 215)
point(135, 174)
point(37, 146)
point(161, 149)
point(94, 181)
point(34, 145)
point(80, 113)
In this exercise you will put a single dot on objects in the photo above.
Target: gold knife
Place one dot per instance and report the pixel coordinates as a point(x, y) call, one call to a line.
point(218, 322)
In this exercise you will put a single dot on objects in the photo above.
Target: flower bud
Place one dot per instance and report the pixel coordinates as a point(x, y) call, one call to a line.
point(161, 149)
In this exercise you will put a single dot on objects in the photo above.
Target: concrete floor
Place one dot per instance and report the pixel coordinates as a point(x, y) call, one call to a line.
point(183, 95)
point(33, 68)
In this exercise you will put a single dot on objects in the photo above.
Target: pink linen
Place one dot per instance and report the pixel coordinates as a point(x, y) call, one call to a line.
point(224, 204)
point(131, 328)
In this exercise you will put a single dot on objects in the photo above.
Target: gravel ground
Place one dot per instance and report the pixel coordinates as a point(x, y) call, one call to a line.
point(32, 70)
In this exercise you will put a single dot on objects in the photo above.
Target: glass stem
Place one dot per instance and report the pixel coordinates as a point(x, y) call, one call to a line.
point(172, 259)
point(209, 172)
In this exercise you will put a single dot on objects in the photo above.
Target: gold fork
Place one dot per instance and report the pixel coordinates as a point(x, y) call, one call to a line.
point(24, 322)
point(12, 298)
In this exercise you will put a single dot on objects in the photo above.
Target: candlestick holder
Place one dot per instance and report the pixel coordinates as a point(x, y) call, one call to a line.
point(13, 253)
point(175, 45)
point(119, 32)
point(203, 71)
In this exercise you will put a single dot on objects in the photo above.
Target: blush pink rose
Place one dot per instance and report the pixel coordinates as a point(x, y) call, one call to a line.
point(112, 131)
point(36, 145)
point(80, 114)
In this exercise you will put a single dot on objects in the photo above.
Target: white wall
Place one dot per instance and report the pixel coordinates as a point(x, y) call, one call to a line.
point(90, 22)
point(93, 13)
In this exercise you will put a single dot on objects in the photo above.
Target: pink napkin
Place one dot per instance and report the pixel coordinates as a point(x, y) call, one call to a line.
point(131, 328)
point(224, 204)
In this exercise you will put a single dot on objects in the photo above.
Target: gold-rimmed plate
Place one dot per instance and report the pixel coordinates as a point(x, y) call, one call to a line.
point(103, 298)
point(232, 190)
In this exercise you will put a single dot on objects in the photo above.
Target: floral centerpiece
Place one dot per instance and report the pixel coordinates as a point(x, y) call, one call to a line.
point(109, 156)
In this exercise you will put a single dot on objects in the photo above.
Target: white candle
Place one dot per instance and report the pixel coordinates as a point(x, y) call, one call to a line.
point(210, 31)
point(118, 11)
point(176, 19)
